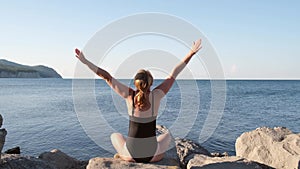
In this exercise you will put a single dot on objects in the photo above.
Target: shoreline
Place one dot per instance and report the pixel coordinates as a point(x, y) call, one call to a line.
point(188, 154)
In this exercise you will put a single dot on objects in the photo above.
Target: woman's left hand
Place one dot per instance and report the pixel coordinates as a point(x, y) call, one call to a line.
point(80, 56)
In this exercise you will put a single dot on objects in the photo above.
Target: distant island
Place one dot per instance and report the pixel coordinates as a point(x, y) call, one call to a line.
point(10, 69)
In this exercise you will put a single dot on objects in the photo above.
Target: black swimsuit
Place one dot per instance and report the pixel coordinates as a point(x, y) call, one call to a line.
point(141, 142)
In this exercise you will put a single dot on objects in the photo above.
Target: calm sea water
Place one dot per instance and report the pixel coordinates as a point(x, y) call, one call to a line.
point(39, 114)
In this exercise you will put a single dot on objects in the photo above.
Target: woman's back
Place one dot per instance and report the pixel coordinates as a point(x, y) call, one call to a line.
point(154, 98)
point(141, 142)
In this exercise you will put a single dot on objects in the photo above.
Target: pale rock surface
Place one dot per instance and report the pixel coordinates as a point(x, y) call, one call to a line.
point(111, 163)
point(278, 147)
point(204, 162)
point(170, 159)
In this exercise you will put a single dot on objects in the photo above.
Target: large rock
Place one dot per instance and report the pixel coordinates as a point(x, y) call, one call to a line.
point(111, 163)
point(278, 147)
point(187, 149)
point(48, 160)
point(200, 161)
point(62, 160)
point(15, 161)
point(170, 159)
point(3, 134)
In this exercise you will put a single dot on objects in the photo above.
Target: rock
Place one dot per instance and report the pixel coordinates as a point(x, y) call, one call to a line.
point(48, 160)
point(170, 159)
point(3, 134)
point(278, 147)
point(111, 163)
point(15, 150)
point(187, 149)
point(232, 162)
point(62, 160)
point(15, 161)
point(217, 154)
point(1, 120)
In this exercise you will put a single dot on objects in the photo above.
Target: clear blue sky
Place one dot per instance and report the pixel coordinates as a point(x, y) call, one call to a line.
point(254, 38)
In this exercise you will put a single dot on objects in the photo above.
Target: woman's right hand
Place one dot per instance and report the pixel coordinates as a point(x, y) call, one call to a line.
point(80, 56)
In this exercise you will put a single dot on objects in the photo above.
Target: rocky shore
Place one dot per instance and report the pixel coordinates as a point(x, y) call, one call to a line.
point(263, 148)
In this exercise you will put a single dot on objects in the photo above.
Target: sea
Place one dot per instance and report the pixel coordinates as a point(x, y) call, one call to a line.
point(45, 114)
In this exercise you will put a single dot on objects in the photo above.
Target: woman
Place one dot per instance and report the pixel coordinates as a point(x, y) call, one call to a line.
point(141, 145)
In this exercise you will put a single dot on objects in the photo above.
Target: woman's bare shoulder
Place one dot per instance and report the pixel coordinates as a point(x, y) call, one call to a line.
point(158, 93)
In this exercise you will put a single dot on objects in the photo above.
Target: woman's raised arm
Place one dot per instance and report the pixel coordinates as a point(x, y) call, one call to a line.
point(118, 87)
point(167, 84)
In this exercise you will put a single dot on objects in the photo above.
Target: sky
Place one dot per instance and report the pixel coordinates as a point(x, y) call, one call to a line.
point(253, 39)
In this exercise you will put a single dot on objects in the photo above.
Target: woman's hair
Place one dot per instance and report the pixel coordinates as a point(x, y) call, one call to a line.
point(142, 81)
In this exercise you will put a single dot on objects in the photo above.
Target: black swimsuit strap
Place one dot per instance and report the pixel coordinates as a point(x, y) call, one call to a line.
point(152, 104)
point(132, 111)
